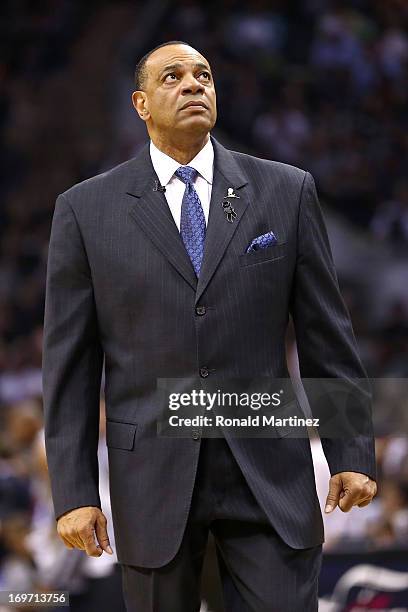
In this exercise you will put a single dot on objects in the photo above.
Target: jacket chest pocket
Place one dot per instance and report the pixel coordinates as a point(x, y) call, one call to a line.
point(274, 252)
point(120, 435)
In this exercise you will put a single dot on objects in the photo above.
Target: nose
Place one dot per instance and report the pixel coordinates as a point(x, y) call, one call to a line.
point(191, 85)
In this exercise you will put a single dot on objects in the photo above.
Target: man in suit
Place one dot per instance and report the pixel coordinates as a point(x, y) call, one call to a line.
point(151, 268)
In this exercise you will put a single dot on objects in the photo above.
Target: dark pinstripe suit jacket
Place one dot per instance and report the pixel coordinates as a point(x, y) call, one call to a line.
point(120, 285)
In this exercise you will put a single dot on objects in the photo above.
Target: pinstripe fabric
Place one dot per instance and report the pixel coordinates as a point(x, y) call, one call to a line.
point(120, 284)
point(259, 571)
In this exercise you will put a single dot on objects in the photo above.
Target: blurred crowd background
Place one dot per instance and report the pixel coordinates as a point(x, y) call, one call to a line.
point(319, 84)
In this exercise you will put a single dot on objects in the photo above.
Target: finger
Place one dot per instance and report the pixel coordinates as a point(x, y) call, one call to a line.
point(102, 534)
point(335, 488)
point(364, 503)
point(358, 489)
point(75, 538)
point(66, 536)
point(66, 542)
point(351, 497)
point(88, 539)
point(68, 529)
point(364, 500)
point(365, 497)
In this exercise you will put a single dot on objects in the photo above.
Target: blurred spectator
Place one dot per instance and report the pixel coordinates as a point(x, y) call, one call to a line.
point(393, 52)
point(32, 556)
point(390, 220)
point(390, 530)
point(335, 45)
point(282, 133)
point(255, 29)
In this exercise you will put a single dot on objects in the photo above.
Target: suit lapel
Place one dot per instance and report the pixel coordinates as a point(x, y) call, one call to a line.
point(219, 233)
point(149, 209)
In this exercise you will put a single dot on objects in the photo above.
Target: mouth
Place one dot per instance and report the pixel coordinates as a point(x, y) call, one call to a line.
point(195, 104)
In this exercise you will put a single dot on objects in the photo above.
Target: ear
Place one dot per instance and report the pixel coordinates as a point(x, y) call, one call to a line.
point(139, 102)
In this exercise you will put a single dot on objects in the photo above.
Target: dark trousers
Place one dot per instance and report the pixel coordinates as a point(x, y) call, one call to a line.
point(259, 572)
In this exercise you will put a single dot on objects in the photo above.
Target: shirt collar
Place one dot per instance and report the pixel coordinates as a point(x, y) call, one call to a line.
point(165, 166)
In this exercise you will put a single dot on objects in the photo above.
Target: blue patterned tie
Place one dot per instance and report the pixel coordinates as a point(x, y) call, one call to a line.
point(192, 224)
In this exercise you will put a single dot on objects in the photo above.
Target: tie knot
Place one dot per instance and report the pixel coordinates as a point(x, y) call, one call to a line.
point(186, 173)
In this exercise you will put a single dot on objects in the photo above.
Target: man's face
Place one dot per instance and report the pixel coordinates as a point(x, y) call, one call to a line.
point(178, 92)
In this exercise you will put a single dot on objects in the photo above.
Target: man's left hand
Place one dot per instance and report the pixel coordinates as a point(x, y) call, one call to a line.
point(348, 489)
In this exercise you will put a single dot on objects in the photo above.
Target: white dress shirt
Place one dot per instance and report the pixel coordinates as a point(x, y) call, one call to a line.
point(165, 168)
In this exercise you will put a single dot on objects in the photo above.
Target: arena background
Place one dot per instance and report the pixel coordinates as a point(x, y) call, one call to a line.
point(319, 84)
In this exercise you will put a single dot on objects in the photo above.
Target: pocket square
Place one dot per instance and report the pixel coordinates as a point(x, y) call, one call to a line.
point(262, 242)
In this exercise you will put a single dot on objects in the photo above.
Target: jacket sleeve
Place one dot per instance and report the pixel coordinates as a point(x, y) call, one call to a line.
point(326, 344)
point(71, 367)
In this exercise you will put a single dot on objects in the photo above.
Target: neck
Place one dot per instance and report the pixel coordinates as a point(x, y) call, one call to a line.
point(182, 152)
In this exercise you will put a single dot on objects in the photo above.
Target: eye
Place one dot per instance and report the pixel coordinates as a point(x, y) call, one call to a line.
point(205, 74)
point(170, 74)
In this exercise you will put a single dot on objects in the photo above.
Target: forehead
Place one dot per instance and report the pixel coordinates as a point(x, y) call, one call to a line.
point(173, 54)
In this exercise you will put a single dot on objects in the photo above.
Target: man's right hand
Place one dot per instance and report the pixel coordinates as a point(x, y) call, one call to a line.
point(76, 529)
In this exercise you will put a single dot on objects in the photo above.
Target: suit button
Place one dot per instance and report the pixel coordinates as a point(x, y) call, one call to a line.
point(196, 435)
point(200, 310)
point(204, 372)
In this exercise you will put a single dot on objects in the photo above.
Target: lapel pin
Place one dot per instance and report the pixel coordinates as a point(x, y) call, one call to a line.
point(231, 193)
point(229, 211)
point(158, 187)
